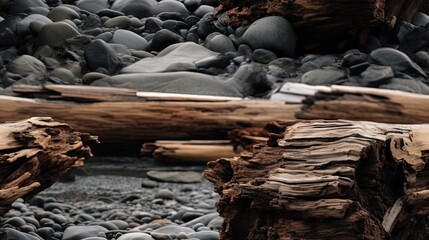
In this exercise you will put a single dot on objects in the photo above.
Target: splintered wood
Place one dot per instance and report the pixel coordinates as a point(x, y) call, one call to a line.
point(34, 153)
point(327, 180)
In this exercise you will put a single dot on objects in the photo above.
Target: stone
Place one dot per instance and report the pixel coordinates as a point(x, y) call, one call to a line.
point(191, 5)
point(170, 6)
point(324, 77)
point(15, 221)
point(396, 59)
point(205, 235)
point(420, 19)
point(274, 33)
point(187, 52)
point(153, 25)
point(28, 67)
point(106, 36)
point(205, 26)
point(406, 85)
point(65, 75)
point(136, 236)
point(253, 80)
point(62, 13)
point(164, 193)
point(136, 23)
point(354, 58)
point(93, 6)
point(45, 232)
point(358, 68)
point(317, 62)
point(81, 232)
point(92, 76)
point(109, 13)
point(54, 34)
point(137, 8)
point(216, 223)
point(219, 43)
point(175, 176)
point(174, 25)
point(23, 27)
point(219, 61)
point(174, 229)
point(422, 59)
point(162, 39)
point(130, 39)
point(374, 76)
point(122, 22)
point(28, 6)
point(203, 10)
point(203, 220)
point(14, 234)
point(170, 16)
point(263, 56)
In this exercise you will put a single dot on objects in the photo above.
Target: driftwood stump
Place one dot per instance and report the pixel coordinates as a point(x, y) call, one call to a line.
point(327, 180)
point(34, 153)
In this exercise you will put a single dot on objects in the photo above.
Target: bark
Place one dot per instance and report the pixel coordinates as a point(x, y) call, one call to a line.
point(327, 180)
point(34, 153)
point(195, 152)
point(366, 104)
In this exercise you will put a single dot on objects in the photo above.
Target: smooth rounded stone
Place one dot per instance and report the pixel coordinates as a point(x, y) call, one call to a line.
point(136, 236)
point(325, 77)
point(136, 23)
point(205, 235)
point(213, 3)
point(406, 85)
point(396, 59)
point(253, 79)
point(45, 232)
point(27, 66)
point(354, 58)
point(122, 22)
point(80, 232)
point(93, 32)
point(50, 206)
point(170, 16)
point(162, 39)
point(220, 43)
point(203, 10)
point(54, 34)
point(94, 238)
point(62, 13)
point(358, 68)
point(120, 224)
point(420, 19)
point(130, 39)
point(205, 26)
point(15, 221)
point(376, 75)
point(15, 234)
point(66, 76)
point(164, 194)
point(203, 220)
point(82, 217)
point(422, 59)
point(317, 63)
point(174, 25)
point(274, 33)
point(28, 6)
point(32, 221)
point(192, 5)
point(216, 223)
point(106, 36)
point(23, 27)
point(36, 27)
point(173, 229)
point(170, 6)
point(93, 6)
point(175, 176)
point(142, 54)
point(137, 8)
point(263, 56)
point(176, 82)
point(153, 25)
point(219, 61)
point(147, 183)
point(109, 13)
point(187, 52)
point(107, 225)
point(244, 50)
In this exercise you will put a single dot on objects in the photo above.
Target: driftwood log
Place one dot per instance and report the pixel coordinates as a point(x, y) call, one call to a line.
point(324, 22)
point(34, 153)
point(327, 180)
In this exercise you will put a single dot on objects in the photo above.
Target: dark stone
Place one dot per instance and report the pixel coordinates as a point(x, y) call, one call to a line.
point(420, 19)
point(354, 58)
point(100, 55)
point(358, 68)
point(205, 26)
point(109, 13)
point(219, 61)
point(374, 76)
point(203, 10)
point(406, 85)
point(7, 38)
point(170, 16)
point(137, 8)
point(192, 20)
point(153, 25)
point(263, 56)
point(317, 62)
point(324, 77)
point(92, 6)
point(416, 40)
point(174, 25)
point(191, 5)
point(170, 6)
point(163, 39)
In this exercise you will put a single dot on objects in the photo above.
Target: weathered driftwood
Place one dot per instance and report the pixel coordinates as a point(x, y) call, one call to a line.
point(199, 152)
point(324, 22)
point(130, 124)
point(327, 180)
point(34, 153)
point(366, 104)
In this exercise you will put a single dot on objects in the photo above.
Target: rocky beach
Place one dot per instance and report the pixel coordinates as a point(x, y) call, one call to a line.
point(171, 46)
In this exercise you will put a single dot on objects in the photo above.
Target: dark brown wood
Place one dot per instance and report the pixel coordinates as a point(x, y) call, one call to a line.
point(327, 180)
point(34, 153)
